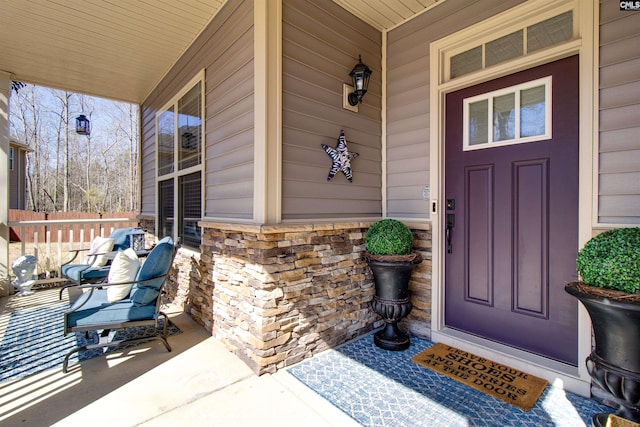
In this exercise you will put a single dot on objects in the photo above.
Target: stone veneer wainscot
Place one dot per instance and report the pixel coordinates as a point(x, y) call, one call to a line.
point(275, 295)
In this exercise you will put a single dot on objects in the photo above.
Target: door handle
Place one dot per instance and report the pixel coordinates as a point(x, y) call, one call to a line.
point(451, 222)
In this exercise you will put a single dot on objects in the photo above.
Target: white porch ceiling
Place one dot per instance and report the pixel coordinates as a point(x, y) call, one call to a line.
point(386, 14)
point(120, 49)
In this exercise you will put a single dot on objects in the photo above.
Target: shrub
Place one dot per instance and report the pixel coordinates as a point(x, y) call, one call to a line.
point(611, 260)
point(389, 237)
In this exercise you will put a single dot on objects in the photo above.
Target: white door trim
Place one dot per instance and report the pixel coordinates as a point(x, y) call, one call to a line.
point(584, 43)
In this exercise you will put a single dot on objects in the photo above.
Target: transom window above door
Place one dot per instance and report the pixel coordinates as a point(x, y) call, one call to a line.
point(513, 115)
point(524, 41)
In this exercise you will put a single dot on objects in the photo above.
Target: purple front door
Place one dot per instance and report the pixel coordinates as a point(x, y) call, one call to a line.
point(512, 215)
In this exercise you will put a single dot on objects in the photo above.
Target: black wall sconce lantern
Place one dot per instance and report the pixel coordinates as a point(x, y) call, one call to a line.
point(360, 76)
point(83, 125)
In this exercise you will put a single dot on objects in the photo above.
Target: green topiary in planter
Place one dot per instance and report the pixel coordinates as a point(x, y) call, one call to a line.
point(611, 260)
point(389, 237)
point(391, 259)
point(609, 267)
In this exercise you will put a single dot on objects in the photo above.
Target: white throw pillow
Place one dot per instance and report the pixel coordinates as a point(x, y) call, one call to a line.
point(124, 268)
point(99, 245)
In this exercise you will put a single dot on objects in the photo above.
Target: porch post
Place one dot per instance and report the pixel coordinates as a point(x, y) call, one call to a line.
point(267, 180)
point(5, 92)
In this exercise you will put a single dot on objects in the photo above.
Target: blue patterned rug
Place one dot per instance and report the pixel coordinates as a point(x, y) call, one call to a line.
point(385, 388)
point(34, 342)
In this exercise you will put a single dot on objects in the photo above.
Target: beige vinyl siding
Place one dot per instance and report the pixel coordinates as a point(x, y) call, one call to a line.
point(229, 162)
point(225, 51)
point(619, 144)
point(408, 98)
point(321, 44)
point(147, 160)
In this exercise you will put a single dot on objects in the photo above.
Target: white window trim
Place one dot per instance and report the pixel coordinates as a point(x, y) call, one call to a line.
point(177, 173)
point(517, 89)
point(498, 29)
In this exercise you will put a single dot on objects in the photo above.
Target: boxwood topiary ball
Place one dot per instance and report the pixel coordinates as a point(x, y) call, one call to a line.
point(611, 260)
point(389, 237)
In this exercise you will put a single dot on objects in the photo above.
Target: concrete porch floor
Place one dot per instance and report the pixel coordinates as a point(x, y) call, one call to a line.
point(199, 383)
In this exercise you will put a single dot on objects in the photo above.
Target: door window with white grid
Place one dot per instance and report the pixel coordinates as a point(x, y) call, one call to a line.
point(513, 115)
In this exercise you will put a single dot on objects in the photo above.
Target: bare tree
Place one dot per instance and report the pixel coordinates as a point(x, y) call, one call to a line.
point(67, 171)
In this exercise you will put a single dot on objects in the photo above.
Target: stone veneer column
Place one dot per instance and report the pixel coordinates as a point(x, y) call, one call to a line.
point(284, 293)
point(418, 322)
point(278, 294)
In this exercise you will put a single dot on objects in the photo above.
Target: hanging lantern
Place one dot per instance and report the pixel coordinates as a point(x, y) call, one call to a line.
point(83, 125)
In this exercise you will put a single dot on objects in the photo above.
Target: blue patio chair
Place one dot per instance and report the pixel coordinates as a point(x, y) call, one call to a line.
point(92, 310)
point(88, 273)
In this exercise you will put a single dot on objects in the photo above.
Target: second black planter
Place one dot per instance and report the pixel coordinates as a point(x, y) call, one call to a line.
point(392, 300)
point(614, 363)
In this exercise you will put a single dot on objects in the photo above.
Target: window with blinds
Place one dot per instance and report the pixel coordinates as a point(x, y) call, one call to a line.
point(179, 164)
point(165, 208)
point(190, 206)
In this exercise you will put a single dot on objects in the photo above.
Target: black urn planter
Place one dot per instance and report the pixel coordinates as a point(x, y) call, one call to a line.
point(392, 300)
point(614, 364)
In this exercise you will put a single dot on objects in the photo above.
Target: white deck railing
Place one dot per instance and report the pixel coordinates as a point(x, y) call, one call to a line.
point(50, 251)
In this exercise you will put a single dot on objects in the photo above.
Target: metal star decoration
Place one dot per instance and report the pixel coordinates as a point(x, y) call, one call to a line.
point(341, 158)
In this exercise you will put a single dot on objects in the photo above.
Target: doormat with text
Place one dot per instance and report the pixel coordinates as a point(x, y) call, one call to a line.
point(503, 382)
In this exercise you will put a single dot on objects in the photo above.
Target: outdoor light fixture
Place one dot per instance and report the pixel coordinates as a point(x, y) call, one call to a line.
point(360, 76)
point(136, 240)
point(83, 126)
